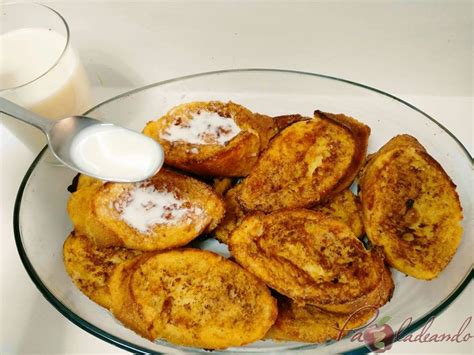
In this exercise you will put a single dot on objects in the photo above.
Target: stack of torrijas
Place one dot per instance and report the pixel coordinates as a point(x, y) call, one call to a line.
point(280, 198)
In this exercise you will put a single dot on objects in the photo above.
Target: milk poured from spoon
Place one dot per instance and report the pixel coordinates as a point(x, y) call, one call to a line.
point(113, 152)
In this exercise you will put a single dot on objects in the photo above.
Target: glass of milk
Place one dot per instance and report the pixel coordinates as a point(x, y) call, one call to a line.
point(39, 69)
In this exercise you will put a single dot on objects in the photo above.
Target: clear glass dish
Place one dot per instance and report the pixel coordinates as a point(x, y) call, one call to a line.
point(41, 223)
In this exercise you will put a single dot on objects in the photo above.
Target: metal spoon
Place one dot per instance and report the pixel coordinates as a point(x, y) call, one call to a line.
point(61, 134)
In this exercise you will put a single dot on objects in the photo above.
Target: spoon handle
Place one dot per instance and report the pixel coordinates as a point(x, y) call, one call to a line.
point(18, 112)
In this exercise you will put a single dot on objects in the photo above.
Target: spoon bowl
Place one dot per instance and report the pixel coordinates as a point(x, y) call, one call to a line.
point(102, 150)
point(62, 134)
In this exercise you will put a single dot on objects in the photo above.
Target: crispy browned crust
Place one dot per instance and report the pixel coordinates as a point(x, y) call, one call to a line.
point(410, 208)
point(346, 207)
point(234, 159)
point(93, 213)
point(313, 325)
point(82, 214)
point(122, 301)
point(267, 128)
point(308, 257)
point(360, 133)
point(281, 122)
point(90, 267)
point(192, 297)
point(377, 297)
point(222, 185)
point(307, 162)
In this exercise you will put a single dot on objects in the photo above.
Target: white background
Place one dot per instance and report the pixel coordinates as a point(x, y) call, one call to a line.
point(420, 51)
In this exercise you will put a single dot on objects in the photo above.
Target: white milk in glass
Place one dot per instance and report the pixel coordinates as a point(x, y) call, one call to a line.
point(41, 72)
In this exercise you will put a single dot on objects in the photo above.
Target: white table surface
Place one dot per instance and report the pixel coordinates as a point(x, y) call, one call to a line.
point(420, 51)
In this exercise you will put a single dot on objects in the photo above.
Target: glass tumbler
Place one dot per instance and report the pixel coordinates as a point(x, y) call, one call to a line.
point(39, 69)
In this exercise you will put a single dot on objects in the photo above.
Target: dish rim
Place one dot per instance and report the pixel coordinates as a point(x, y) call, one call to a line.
point(126, 345)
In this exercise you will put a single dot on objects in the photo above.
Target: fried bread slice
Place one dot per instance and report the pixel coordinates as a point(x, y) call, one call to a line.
point(308, 257)
point(212, 138)
point(122, 302)
point(313, 325)
point(305, 163)
point(81, 212)
point(194, 298)
point(281, 122)
point(374, 297)
point(346, 207)
point(90, 267)
point(168, 210)
point(267, 127)
point(410, 208)
point(233, 215)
